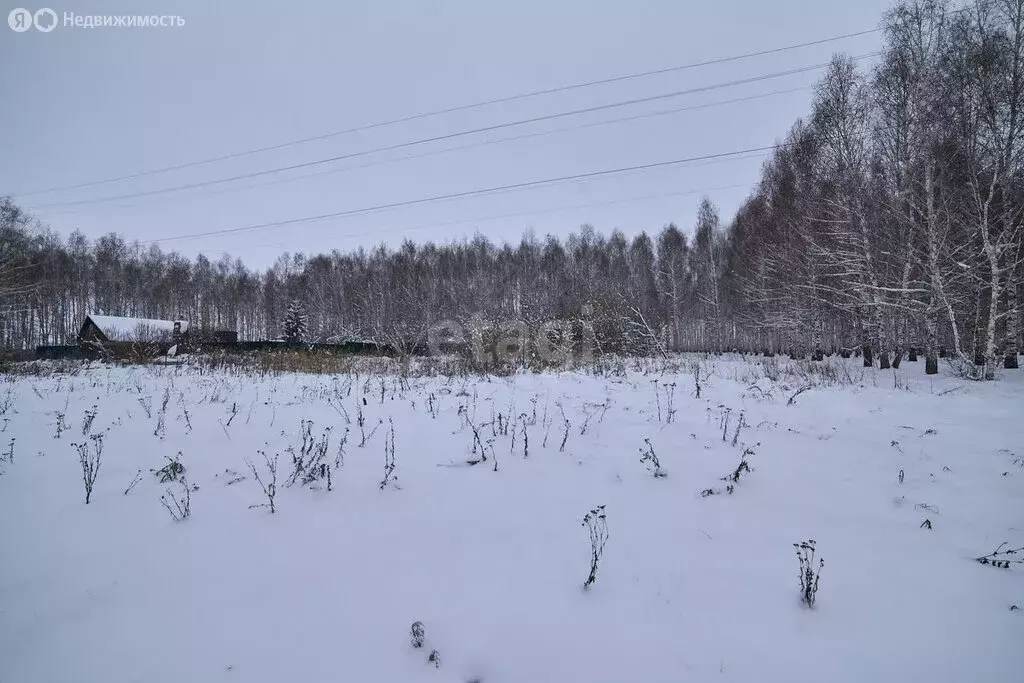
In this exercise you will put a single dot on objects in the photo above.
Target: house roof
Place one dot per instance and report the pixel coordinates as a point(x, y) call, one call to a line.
point(116, 328)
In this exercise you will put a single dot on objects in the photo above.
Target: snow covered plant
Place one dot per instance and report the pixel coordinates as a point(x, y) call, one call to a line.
point(8, 455)
point(135, 482)
point(649, 458)
point(733, 477)
point(389, 457)
point(172, 471)
point(90, 416)
point(361, 421)
point(1002, 557)
point(309, 463)
point(62, 425)
point(161, 419)
point(179, 506)
point(270, 485)
point(739, 426)
point(418, 634)
point(670, 393)
point(701, 374)
point(90, 455)
point(418, 637)
point(809, 574)
point(339, 458)
point(597, 525)
point(741, 469)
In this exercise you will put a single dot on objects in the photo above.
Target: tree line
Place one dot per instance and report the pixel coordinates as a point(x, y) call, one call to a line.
point(887, 221)
point(892, 214)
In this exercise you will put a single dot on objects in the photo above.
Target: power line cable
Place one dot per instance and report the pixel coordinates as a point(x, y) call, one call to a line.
point(438, 138)
point(482, 143)
point(467, 193)
point(518, 214)
point(569, 207)
point(450, 110)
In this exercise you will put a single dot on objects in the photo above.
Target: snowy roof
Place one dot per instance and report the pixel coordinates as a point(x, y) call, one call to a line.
point(116, 328)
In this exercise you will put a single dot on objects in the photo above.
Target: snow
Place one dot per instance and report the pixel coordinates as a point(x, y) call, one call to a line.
point(116, 328)
point(689, 588)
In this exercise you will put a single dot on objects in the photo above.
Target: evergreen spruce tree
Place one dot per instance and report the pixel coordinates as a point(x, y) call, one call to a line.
point(295, 322)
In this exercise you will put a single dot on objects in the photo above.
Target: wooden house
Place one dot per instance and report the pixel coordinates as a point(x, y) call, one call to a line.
point(99, 329)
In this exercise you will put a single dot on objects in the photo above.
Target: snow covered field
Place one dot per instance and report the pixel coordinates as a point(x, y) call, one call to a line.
point(690, 587)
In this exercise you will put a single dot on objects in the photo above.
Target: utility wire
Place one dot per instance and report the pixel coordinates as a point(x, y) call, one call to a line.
point(517, 214)
point(450, 110)
point(569, 207)
point(483, 143)
point(448, 136)
point(698, 161)
point(468, 193)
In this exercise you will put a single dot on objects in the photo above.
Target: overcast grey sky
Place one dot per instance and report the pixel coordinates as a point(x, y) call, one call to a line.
point(88, 104)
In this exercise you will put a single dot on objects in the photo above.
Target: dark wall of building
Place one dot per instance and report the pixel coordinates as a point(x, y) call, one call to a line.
point(121, 350)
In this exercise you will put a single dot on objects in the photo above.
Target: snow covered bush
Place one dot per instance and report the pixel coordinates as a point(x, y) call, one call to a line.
point(90, 456)
point(161, 419)
point(418, 634)
point(90, 416)
point(389, 457)
point(339, 458)
point(361, 422)
point(418, 637)
point(171, 471)
point(135, 482)
point(733, 477)
point(309, 463)
point(809, 574)
point(701, 374)
point(792, 399)
point(565, 433)
point(270, 485)
point(62, 425)
point(182, 503)
point(8, 455)
point(670, 394)
point(741, 469)
point(597, 524)
point(1002, 557)
point(740, 424)
point(649, 458)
